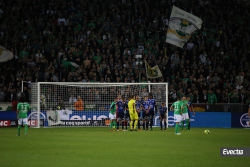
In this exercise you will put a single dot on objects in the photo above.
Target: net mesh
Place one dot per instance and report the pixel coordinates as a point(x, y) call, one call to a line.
point(67, 104)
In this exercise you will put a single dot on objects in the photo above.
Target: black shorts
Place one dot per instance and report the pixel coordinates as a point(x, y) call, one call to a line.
point(163, 115)
point(127, 116)
point(120, 115)
point(151, 114)
point(144, 115)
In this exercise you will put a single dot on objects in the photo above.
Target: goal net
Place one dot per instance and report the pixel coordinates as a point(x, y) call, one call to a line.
point(65, 104)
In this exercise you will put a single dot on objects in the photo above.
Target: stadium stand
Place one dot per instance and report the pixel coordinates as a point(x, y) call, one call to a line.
point(96, 41)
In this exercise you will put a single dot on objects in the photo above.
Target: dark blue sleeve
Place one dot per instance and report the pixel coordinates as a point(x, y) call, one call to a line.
point(155, 106)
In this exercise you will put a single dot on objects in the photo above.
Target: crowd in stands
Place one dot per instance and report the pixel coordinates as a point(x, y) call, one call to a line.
point(102, 38)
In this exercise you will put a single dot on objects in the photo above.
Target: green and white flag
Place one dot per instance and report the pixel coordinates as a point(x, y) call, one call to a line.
point(5, 55)
point(66, 64)
point(181, 27)
point(152, 72)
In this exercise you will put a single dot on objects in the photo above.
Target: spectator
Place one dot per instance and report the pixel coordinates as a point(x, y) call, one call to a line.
point(61, 105)
point(14, 105)
point(72, 99)
point(190, 45)
point(219, 96)
point(234, 97)
point(203, 57)
point(99, 44)
point(204, 98)
point(79, 104)
point(242, 97)
point(212, 99)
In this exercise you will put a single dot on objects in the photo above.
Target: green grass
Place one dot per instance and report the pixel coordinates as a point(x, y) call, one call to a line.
point(100, 147)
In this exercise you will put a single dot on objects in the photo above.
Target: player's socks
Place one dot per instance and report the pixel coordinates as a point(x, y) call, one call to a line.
point(147, 125)
point(118, 125)
point(187, 123)
point(151, 123)
point(126, 124)
point(176, 128)
point(161, 124)
point(139, 126)
point(131, 125)
point(136, 121)
point(111, 124)
point(26, 128)
point(165, 125)
point(182, 124)
point(19, 129)
point(115, 124)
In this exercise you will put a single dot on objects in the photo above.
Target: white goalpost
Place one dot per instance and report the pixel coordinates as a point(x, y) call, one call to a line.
point(73, 104)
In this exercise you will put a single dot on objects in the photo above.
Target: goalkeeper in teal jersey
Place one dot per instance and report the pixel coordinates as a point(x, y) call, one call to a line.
point(22, 110)
point(112, 114)
point(184, 115)
point(178, 109)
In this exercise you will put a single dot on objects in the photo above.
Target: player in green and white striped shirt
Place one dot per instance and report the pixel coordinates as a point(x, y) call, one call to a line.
point(112, 114)
point(178, 109)
point(22, 109)
point(184, 115)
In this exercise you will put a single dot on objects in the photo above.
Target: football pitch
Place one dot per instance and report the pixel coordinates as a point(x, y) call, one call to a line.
point(67, 147)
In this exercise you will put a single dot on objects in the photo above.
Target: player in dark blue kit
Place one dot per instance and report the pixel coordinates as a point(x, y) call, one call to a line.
point(190, 109)
point(127, 116)
point(120, 112)
point(152, 111)
point(138, 110)
point(163, 114)
point(145, 112)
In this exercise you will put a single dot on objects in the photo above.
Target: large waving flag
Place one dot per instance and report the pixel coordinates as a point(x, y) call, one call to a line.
point(5, 55)
point(152, 72)
point(181, 27)
point(66, 64)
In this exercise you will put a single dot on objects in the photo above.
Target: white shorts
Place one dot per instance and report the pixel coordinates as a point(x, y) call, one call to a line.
point(22, 120)
point(111, 116)
point(184, 116)
point(177, 118)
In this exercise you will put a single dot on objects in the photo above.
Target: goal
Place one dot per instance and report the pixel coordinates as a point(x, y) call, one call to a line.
point(72, 104)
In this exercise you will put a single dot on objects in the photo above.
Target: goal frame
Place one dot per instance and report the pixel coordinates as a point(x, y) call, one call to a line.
point(88, 83)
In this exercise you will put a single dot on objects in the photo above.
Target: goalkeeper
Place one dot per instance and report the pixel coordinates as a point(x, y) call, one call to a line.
point(112, 114)
point(132, 113)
